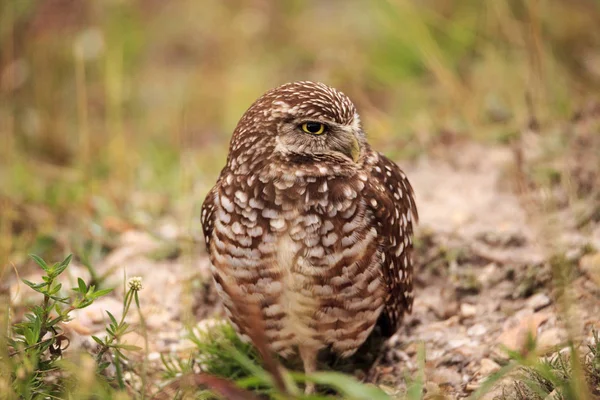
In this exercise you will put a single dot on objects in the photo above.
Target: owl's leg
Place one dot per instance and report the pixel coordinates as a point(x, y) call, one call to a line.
point(309, 359)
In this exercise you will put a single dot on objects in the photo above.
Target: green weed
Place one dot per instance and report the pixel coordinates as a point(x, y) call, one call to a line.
point(36, 344)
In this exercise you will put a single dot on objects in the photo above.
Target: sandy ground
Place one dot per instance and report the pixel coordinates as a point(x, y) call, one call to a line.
point(482, 277)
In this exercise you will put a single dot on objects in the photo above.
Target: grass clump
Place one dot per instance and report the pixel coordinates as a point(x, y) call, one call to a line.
point(564, 375)
point(36, 364)
point(559, 375)
point(228, 366)
point(36, 344)
point(217, 349)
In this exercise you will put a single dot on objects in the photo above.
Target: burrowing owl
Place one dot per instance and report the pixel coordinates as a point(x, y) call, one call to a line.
point(311, 224)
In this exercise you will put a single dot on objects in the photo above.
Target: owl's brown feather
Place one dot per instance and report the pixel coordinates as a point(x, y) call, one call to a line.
point(393, 216)
point(318, 238)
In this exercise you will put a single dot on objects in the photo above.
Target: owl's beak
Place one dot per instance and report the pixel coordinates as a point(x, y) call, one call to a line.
point(349, 145)
point(354, 149)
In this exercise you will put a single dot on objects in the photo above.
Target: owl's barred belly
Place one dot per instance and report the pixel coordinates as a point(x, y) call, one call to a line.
point(319, 296)
point(315, 270)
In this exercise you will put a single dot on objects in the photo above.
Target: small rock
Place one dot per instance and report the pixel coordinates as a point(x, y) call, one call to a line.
point(550, 339)
point(446, 376)
point(132, 243)
point(96, 312)
point(134, 339)
point(468, 310)
point(553, 395)
point(468, 352)
point(538, 301)
point(516, 338)
point(521, 314)
point(156, 320)
point(77, 327)
point(466, 378)
point(477, 330)
point(490, 275)
point(488, 367)
point(441, 305)
point(435, 354)
point(412, 348)
point(565, 353)
point(455, 343)
point(451, 358)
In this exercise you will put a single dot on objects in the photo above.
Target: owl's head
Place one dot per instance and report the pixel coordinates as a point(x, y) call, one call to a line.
point(301, 118)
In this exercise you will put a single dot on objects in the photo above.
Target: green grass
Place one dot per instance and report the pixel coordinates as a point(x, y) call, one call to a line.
point(557, 372)
point(571, 374)
point(34, 363)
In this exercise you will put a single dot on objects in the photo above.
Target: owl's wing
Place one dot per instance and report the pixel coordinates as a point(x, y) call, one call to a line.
point(391, 199)
point(207, 216)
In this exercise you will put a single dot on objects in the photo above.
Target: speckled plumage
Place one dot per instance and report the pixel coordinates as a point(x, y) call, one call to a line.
point(315, 229)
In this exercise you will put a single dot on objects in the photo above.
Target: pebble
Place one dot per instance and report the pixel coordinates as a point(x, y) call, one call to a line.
point(455, 343)
point(538, 301)
point(446, 376)
point(96, 312)
point(477, 330)
point(553, 395)
point(468, 310)
point(77, 327)
point(133, 338)
point(468, 352)
point(488, 367)
point(490, 275)
point(550, 339)
point(516, 338)
point(442, 305)
point(412, 348)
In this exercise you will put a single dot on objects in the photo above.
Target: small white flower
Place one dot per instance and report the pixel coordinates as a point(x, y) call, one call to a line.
point(135, 283)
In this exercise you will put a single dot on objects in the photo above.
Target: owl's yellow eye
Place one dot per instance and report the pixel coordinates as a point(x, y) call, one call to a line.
point(314, 128)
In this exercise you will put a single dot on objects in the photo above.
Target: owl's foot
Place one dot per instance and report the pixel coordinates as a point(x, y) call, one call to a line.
point(309, 359)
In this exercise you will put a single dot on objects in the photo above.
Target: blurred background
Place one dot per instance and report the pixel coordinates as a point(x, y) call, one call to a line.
point(117, 114)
